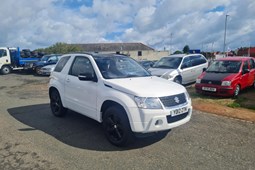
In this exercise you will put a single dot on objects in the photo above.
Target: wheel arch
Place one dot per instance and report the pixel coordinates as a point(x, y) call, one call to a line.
point(109, 103)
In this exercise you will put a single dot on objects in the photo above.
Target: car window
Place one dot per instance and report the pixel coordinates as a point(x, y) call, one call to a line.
point(168, 63)
point(186, 62)
point(81, 65)
point(114, 67)
point(3, 53)
point(62, 62)
point(218, 66)
point(197, 60)
point(252, 64)
point(245, 66)
point(53, 59)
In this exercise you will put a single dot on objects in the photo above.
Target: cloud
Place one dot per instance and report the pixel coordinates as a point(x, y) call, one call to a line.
point(198, 23)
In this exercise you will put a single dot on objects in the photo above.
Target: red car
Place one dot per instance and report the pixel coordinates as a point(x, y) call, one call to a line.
point(227, 76)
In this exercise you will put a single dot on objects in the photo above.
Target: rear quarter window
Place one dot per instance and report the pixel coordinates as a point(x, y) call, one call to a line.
point(61, 64)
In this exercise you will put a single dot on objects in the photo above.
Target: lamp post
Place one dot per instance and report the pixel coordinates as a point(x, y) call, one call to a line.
point(225, 33)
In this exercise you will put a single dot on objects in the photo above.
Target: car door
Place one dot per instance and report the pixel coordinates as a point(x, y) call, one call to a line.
point(252, 72)
point(81, 96)
point(245, 75)
point(187, 70)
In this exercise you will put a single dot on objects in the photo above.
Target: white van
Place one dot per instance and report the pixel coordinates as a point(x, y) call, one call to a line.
point(180, 68)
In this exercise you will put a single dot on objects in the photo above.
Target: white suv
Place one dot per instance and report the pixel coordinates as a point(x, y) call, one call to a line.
point(180, 68)
point(116, 91)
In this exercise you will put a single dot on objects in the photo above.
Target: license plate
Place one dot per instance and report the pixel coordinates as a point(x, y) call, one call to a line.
point(179, 111)
point(209, 89)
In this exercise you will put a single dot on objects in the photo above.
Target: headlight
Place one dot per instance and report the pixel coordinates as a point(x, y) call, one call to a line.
point(226, 83)
point(198, 81)
point(148, 102)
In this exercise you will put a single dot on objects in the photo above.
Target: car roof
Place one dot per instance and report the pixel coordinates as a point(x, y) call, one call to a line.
point(182, 55)
point(235, 58)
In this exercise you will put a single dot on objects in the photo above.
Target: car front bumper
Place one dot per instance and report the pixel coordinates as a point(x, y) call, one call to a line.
point(151, 120)
point(223, 91)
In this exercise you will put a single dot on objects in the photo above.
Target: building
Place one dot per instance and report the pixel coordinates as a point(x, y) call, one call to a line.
point(138, 51)
point(246, 51)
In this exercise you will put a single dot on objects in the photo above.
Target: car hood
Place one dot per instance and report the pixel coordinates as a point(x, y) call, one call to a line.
point(145, 86)
point(219, 76)
point(160, 71)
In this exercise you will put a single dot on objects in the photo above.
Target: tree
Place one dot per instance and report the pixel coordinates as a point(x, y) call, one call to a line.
point(60, 48)
point(186, 49)
point(177, 52)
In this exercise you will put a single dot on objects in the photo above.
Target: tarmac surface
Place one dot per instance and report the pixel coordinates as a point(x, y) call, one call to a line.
point(32, 138)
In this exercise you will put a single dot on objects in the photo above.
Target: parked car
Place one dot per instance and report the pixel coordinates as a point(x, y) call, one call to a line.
point(118, 92)
point(227, 76)
point(146, 63)
point(180, 68)
point(45, 60)
point(46, 70)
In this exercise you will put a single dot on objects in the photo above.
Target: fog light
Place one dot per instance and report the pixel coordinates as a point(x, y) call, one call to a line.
point(158, 122)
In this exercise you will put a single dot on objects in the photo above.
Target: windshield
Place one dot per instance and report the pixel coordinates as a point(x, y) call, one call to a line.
point(45, 58)
point(120, 67)
point(168, 63)
point(224, 67)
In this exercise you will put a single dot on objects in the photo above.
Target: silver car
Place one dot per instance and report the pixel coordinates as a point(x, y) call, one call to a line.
point(180, 68)
point(46, 70)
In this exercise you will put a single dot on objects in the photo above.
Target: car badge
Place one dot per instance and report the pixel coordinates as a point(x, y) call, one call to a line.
point(209, 82)
point(176, 99)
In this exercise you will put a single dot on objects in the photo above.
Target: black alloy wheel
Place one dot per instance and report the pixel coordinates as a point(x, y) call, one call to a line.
point(56, 106)
point(116, 127)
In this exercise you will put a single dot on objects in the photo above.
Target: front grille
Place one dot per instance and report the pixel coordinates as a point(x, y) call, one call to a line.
point(210, 82)
point(171, 119)
point(174, 100)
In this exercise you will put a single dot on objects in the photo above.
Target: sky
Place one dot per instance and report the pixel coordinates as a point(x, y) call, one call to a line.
point(160, 24)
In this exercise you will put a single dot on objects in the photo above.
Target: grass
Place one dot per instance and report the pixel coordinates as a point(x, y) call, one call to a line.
point(244, 100)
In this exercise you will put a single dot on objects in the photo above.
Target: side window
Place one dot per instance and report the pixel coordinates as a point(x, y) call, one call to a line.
point(52, 59)
point(81, 65)
point(139, 53)
point(197, 60)
point(186, 62)
point(3, 53)
point(252, 64)
point(62, 62)
point(245, 66)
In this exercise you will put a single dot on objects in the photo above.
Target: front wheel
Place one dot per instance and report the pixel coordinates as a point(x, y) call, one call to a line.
point(56, 106)
point(116, 126)
point(38, 70)
point(5, 70)
point(237, 90)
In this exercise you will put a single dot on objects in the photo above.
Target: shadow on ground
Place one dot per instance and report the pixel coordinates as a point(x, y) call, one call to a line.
point(74, 129)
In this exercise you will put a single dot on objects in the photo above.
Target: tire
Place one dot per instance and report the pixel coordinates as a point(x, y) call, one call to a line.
point(178, 80)
point(38, 70)
point(237, 90)
point(56, 105)
point(5, 70)
point(116, 127)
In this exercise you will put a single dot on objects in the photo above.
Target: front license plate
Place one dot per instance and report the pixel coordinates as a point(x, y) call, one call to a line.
point(179, 111)
point(209, 89)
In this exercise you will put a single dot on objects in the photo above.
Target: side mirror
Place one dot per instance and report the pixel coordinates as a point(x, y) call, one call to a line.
point(204, 69)
point(87, 77)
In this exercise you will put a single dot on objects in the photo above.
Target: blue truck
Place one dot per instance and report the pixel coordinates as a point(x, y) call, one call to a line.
point(11, 59)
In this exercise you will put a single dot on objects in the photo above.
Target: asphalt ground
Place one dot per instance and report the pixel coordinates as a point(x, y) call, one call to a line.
point(32, 138)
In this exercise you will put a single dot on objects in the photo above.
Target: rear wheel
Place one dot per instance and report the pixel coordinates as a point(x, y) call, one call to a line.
point(237, 90)
point(56, 106)
point(5, 70)
point(116, 126)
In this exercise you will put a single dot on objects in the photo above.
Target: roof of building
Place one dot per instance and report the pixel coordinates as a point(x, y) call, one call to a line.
point(104, 47)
